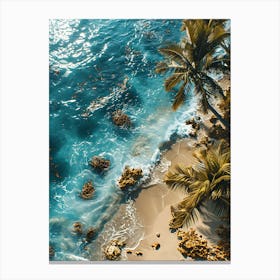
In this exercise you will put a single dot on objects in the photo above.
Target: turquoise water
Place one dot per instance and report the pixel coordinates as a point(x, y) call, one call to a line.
point(89, 60)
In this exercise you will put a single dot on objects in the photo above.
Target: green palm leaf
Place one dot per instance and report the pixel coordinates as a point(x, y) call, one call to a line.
point(208, 179)
point(180, 97)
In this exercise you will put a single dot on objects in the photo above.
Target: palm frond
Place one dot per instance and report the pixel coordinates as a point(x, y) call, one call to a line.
point(161, 68)
point(180, 97)
point(175, 52)
point(208, 179)
point(172, 81)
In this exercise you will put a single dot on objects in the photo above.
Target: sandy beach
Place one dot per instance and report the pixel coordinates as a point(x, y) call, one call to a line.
point(153, 204)
point(153, 210)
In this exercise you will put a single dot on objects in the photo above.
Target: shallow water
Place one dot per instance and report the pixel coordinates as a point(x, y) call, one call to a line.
point(89, 61)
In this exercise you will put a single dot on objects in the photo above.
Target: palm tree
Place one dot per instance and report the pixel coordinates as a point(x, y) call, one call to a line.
point(191, 61)
point(208, 179)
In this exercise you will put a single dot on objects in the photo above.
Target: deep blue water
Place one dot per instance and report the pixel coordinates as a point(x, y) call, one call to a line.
point(89, 59)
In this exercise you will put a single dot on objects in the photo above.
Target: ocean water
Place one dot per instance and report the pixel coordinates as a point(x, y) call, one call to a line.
point(89, 61)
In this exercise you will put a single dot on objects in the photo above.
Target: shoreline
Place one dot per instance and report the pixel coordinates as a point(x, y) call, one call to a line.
point(151, 207)
point(153, 203)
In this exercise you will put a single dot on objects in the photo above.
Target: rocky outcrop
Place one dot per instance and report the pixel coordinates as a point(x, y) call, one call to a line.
point(77, 228)
point(51, 252)
point(217, 132)
point(194, 246)
point(195, 127)
point(130, 176)
point(121, 119)
point(113, 249)
point(87, 191)
point(99, 163)
point(90, 234)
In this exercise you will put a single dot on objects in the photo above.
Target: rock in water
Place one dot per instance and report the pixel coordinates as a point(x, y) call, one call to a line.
point(113, 250)
point(99, 163)
point(87, 191)
point(77, 228)
point(90, 234)
point(130, 176)
point(51, 252)
point(121, 119)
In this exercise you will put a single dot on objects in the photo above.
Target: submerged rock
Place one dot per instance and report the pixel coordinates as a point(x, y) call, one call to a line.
point(194, 246)
point(158, 235)
point(51, 252)
point(87, 191)
point(99, 163)
point(90, 234)
point(77, 228)
point(113, 249)
point(121, 119)
point(130, 176)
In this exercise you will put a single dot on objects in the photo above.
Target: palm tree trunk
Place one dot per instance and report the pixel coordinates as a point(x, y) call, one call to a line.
point(218, 116)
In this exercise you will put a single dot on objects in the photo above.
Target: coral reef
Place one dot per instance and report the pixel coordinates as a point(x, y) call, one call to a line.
point(121, 119)
point(87, 191)
point(194, 246)
point(114, 249)
point(99, 163)
point(130, 176)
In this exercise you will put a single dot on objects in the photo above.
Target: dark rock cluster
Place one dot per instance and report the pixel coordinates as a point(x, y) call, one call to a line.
point(194, 246)
point(130, 176)
point(121, 119)
point(87, 191)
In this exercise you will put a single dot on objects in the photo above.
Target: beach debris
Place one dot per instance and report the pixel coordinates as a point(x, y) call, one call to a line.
point(156, 246)
point(121, 119)
point(113, 249)
point(51, 252)
point(90, 234)
point(87, 191)
point(158, 234)
point(130, 176)
point(194, 246)
point(128, 251)
point(138, 253)
point(99, 163)
point(77, 228)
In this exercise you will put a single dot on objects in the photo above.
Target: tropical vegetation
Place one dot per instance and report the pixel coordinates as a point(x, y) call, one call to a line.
point(203, 50)
point(208, 179)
